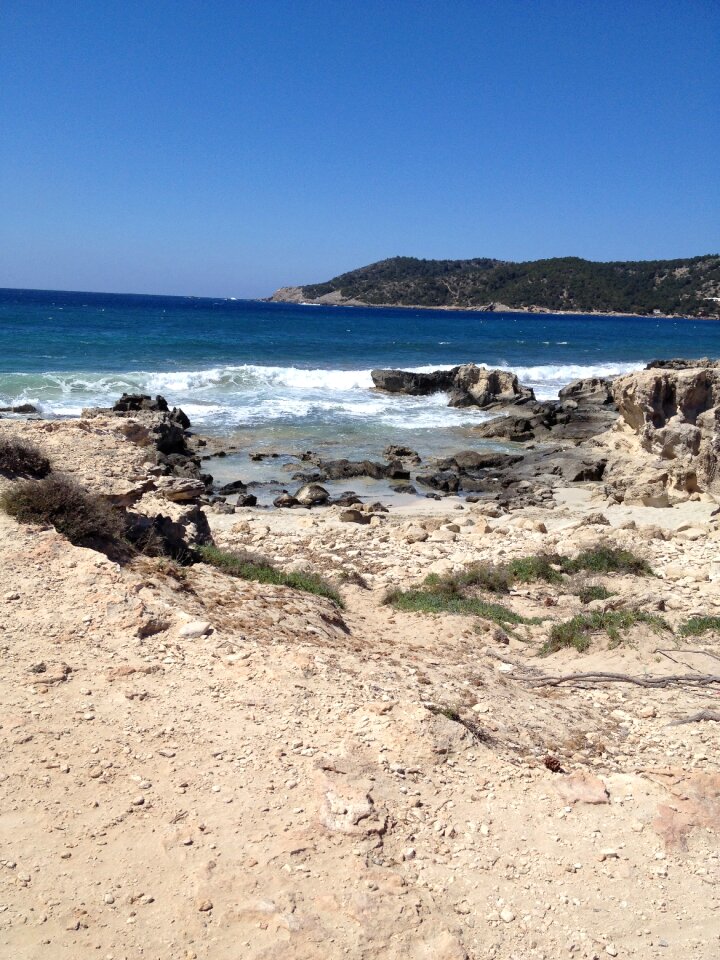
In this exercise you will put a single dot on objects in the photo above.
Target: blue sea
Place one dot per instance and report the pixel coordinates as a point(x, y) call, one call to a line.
point(298, 376)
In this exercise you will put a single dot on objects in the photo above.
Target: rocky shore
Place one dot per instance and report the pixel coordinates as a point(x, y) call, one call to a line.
point(517, 758)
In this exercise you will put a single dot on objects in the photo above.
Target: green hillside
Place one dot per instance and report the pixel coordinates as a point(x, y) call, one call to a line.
point(564, 283)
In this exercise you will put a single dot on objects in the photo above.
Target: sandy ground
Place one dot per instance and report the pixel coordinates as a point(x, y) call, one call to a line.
point(198, 767)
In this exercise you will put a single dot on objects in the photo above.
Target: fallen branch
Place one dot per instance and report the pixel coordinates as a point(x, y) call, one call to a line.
point(696, 718)
point(678, 680)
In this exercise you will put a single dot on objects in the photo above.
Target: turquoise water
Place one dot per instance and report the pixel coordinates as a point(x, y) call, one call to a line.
point(292, 375)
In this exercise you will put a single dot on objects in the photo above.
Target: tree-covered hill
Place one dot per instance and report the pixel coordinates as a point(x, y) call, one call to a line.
point(678, 287)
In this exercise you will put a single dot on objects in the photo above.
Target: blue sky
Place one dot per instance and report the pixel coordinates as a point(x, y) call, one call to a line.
point(226, 148)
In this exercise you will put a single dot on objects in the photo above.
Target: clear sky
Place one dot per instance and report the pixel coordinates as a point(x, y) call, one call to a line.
point(227, 147)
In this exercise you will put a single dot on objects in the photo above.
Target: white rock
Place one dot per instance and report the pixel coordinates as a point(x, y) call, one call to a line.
point(196, 628)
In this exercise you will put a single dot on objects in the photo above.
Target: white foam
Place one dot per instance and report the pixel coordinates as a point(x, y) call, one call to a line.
point(254, 394)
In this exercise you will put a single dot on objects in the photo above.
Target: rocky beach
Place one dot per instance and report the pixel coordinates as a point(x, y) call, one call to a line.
point(477, 720)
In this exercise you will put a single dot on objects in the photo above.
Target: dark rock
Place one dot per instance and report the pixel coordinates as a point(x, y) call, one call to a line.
point(312, 495)
point(285, 500)
point(470, 484)
point(414, 384)
point(347, 499)
point(20, 408)
point(235, 486)
point(681, 364)
point(247, 500)
point(404, 488)
point(394, 452)
point(346, 469)
point(444, 480)
point(473, 460)
point(396, 471)
point(132, 402)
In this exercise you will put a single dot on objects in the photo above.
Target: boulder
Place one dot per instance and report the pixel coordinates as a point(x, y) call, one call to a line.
point(589, 392)
point(20, 408)
point(312, 495)
point(346, 469)
point(466, 460)
point(395, 452)
point(414, 384)
point(131, 402)
point(235, 486)
point(475, 386)
point(444, 480)
point(180, 489)
point(285, 500)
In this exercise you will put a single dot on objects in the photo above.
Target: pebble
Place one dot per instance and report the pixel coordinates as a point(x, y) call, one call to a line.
point(204, 906)
point(506, 915)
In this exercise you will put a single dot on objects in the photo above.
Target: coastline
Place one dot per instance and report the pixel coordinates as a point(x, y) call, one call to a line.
point(303, 771)
point(333, 300)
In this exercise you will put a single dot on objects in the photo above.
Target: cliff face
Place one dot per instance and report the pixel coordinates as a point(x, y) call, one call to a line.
point(673, 414)
point(668, 287)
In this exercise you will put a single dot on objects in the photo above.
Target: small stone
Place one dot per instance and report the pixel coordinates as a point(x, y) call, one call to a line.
point(195, 629)
point(138, 801)
point(506, 915)
point(109, 898)
point(204, 906)
point(611, 950)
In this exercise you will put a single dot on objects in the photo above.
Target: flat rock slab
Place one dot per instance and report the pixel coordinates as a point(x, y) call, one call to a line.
point(582, 787)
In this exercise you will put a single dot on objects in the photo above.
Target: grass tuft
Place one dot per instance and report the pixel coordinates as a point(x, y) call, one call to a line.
point(577, 632)
point(696, 626)
point(20, 458)
point(86, 519)
point(250, 567)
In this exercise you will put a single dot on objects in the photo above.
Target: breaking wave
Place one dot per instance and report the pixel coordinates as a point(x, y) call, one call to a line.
point(252, 394)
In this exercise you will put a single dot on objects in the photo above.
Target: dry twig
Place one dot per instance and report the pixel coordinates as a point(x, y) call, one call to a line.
point(584, 679)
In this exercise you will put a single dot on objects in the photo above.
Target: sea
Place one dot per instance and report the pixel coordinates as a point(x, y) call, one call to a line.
point(291, 377)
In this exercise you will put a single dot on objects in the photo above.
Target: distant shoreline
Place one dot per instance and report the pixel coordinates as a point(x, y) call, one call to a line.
point(499, 309)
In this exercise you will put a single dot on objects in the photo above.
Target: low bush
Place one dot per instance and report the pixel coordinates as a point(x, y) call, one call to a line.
point(250, 567)
point(606, 559)
point(540, 567)
point(588, 592)
point(696, 626)
point(20, 458)
point(578, 631)
point(86, 519)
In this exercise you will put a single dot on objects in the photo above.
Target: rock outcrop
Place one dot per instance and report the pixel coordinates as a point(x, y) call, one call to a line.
point(584, 409)
point(414, 384)
point(675, 414)
point(467, 385)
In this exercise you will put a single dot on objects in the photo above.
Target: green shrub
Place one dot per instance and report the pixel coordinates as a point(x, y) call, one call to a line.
point(540, 567)
point(20, 458)
point(86, 519)
point(593, 591)
point(577, 631)
point(250, 567)
point(430, 601)
point(606, 559)
point(696, 626)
